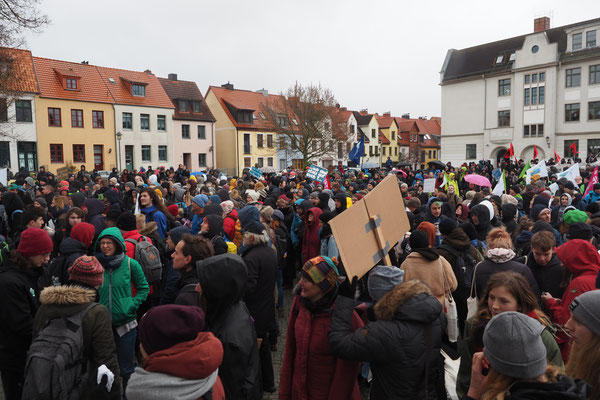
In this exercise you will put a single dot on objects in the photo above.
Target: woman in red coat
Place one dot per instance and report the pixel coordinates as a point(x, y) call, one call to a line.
point(309, 370)
point(311, 244)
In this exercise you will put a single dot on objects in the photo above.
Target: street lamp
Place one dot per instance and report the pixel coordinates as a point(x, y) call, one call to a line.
point(119, 137)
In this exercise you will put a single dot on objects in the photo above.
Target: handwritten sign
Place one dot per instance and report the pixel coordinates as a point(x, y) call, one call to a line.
point(316, 173)
point(256, 173)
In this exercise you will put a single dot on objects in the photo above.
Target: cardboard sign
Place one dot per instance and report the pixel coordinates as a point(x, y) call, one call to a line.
point(429, 185)
point(316, 173)
point(256, 173)
point(365, 232)
point(4, 177)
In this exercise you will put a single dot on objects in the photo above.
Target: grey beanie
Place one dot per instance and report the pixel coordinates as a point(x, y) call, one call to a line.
point(586, 309)
point(512, 343)
point(382, 279)
point(130, 185)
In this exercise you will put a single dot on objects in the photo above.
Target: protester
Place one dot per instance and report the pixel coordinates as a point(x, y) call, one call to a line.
point(189, 250)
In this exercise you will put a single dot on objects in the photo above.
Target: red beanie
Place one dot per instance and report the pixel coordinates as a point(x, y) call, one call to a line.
point(173, 210)
point(34, 242)
point(83, 232)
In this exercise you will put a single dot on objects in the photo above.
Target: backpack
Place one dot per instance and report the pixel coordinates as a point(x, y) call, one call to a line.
point(149, 258)
point(55, 365)
point(463, 267)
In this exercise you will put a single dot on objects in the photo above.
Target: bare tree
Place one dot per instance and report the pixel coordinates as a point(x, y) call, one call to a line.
point(308, 119)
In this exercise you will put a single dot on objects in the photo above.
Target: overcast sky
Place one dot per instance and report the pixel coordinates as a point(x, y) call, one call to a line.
point(380, 55)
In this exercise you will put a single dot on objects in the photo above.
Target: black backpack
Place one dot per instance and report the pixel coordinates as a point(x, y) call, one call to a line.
point(464, 266)
point(56, 368)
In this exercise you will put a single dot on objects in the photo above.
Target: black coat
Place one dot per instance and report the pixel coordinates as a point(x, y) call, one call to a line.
point(187, 295)
point(565, 389)
point(261, 262)
point(549, 277)
point(71, 250)
point(487, 268)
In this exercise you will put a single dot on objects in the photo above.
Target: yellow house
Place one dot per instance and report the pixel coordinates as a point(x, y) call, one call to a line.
point(74, 117)
point(244, 136)
point(388, 136)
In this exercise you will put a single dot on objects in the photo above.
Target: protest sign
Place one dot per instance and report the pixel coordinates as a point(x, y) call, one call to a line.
point(429, 185)
point(570, 173)
point(256, 173)
point(316, 173)
point(553, 188)
point(4, 176)
point(536, 172)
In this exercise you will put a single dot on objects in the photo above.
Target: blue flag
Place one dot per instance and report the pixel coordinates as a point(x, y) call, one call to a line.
point(357, 151)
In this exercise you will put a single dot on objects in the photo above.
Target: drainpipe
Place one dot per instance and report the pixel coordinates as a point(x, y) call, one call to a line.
point(214, 163)
point(117, 153)
point(484, 111)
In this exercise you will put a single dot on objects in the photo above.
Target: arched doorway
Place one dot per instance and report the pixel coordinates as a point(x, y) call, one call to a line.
point(498, 155)
point(527, 153)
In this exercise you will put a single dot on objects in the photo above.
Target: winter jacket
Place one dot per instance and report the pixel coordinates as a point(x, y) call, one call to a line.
point(472, 342)
point(329, 247)
point(71, 250)
point(565, 389)
point(394, 345)
point(485, 269)
point(98, 342)
point(187, 370)
point(549, 277)
point(591, 197)
point(311, 245)
point(94, 216)
point(229, 224)
point(215, 233)
point(508, 217)
point(483, 216)
point(186, 289)
point(115, 292)
point(223, 279)
point(152, 214)
point(19, 294)
point(310, 371)
point(432, 272)
point(130, 247)
point(261, 262)
point(435, 221)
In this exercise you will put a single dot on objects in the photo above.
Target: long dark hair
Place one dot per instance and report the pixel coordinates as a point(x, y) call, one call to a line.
point(157, 203)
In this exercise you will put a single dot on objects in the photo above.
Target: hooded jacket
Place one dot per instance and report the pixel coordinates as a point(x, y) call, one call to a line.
point(229, 224)
point(71, 249)
point(223, 279)
point(435, 221)
point(215, 233)
point(94, 216)
point(311, 244)
point(394, 344)
point(509, 211)
point(485, 269)
point(483, 226)
point(564, 389)
point(437, 274)
point(115, 293)
point(341, 197)
point(98, 342)
point(549, 277)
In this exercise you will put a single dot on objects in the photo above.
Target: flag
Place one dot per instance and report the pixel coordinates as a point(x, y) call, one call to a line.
point(357, 151)
point(593, 181)
point(535, 152)
point(445, 181)
point(326, 183)
point(573, 148)
point(507, 155)
point(556, 157)
point(511, 150)
point(524, 170)
point(570, 174)
point(500, 186)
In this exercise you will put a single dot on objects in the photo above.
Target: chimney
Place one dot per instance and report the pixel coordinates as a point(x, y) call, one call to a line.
point(343, 109)
point(172, 77)
point(228, 86)
point(364, 111)
point(148, 72)
point(406, 116)
point(387, 114)
point(263, 91)
point(541, 24)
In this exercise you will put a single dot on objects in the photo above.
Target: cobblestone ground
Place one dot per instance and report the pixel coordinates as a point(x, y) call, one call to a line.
point(278, 355)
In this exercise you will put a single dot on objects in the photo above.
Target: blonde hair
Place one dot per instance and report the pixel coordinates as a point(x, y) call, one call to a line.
point(60, 202)
point(266, 213)
point(584, 363)
point(140, 221)
point(499, 384)
point(498, 238)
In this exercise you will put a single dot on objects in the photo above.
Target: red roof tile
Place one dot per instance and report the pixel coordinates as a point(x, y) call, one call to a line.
point(121, 91)
point(384, 121)
point(24, 71)
point(186, 90)
point(403, 139)
point(382, 138)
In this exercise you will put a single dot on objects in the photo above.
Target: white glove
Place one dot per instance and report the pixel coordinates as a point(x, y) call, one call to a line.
point(110, 377)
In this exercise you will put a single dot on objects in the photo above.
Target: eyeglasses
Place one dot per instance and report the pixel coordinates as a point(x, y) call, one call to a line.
point(106, 243)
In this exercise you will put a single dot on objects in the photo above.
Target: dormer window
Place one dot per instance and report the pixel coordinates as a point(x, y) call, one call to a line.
point(71, 84)
point(182, 105)
point(138, 90)
point(499, 59)
point(195, 106)
point(282, 121)
point(245, 116)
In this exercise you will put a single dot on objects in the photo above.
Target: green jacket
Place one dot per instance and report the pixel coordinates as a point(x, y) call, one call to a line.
point(115, 292)
point(466, 348)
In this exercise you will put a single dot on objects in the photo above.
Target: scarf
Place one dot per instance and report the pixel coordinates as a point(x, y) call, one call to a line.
point(110, 262)
point(323, 304)
point(500, 255)
point(429, 253)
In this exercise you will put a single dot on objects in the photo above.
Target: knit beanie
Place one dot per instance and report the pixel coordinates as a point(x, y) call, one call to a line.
point(41, 201)
point(163, 327)
point(573, 216)
point(177, 233)
point(173, 209)
point(512, 343)
point(113, 214)
point(127, 222)
point(447, 225)
point(579, 230)
point(382, 279)
point(87, 270)
point(159, 193)
point(130, 185)
point(279, 215)
point(34, 242)
point(536, 210)
point(322, 272)
point(418, 240)
point(213, 209)
point(248, 214)
point(586, 310)
point(201, 200)
point(83, 232)
point(227, 206)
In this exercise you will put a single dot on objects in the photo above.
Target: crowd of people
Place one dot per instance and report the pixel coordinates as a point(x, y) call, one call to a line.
point(159, 284)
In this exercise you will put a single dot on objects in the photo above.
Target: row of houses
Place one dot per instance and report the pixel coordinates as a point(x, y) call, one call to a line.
point(67, 113)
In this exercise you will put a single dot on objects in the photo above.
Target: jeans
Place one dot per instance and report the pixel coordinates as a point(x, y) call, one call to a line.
point(126, 352)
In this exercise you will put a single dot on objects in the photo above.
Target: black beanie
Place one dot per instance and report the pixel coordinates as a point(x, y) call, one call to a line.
point(113, 214)
point(126, 222)
point(579, 230)
point(418, 240)
point(447, 225)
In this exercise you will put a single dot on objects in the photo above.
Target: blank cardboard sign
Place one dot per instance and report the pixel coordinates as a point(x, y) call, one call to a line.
point(354, 232)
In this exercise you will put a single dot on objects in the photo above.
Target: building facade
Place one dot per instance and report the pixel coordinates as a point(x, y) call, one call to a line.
point(369, 127)
point(537, 90)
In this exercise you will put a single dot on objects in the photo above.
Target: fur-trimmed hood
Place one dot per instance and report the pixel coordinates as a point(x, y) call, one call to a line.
point(411, 300)
point(149, 229)
point(67, 295)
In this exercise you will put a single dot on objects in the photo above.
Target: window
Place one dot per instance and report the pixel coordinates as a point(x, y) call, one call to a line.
point(71, 84)
point(23, 110)
point(393, 135)
point(593, 146)
point(195, 106)
point(260, 162)
point(535, 49)
point(504, 87)
point(590, 38)
point(270, 141)
point(567, 148)
point(540, 129)
point(247, 162)
point(259, 140)
point(533, 130)
point(526, 131)
point(56, 153)
point(201, 132)
point(146, 153)
point(429, 154)
point(98, 119)
point(245, 117)
point(499, 59)
point(542, 94)
point(185, 131)
point(594, 74)
point(503, 118)
point(471, 151)
point(79, 153)
point(145, 122)
point(383, 151)
point(282, 143)
point(269, 161)
point(3, 111)
point(247, 146)
point(254, 116)
point(573, 77)
point(77, 118)
point(327, 126)
point(282, 121)
point(527, 96)
point(54, 116)
point(572, 112)
point(182, 105)
point(161, 122)
point(542, 76)
point(594, 110)
point(534, 93)
point(340, 150)
point(127, 121)
point(527, 79)
point(396, 151)
point(5, 153)
point(138, 90)
point(372, 132)
point(577, 41)
point(202, 160)
point(534, 78)
point(162, 153)
point(262, 115)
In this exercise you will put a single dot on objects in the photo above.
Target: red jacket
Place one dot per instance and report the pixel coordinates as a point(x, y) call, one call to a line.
point(311, 244)
point(582, 260)
point(130, 252)
point(229, 224)
point(309, 370)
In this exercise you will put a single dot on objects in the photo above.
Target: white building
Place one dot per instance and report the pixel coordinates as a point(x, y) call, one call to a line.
point(541, 89)
point(368, 125)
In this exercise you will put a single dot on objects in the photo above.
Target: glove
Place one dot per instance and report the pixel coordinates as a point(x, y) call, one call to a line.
point(110, 377)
